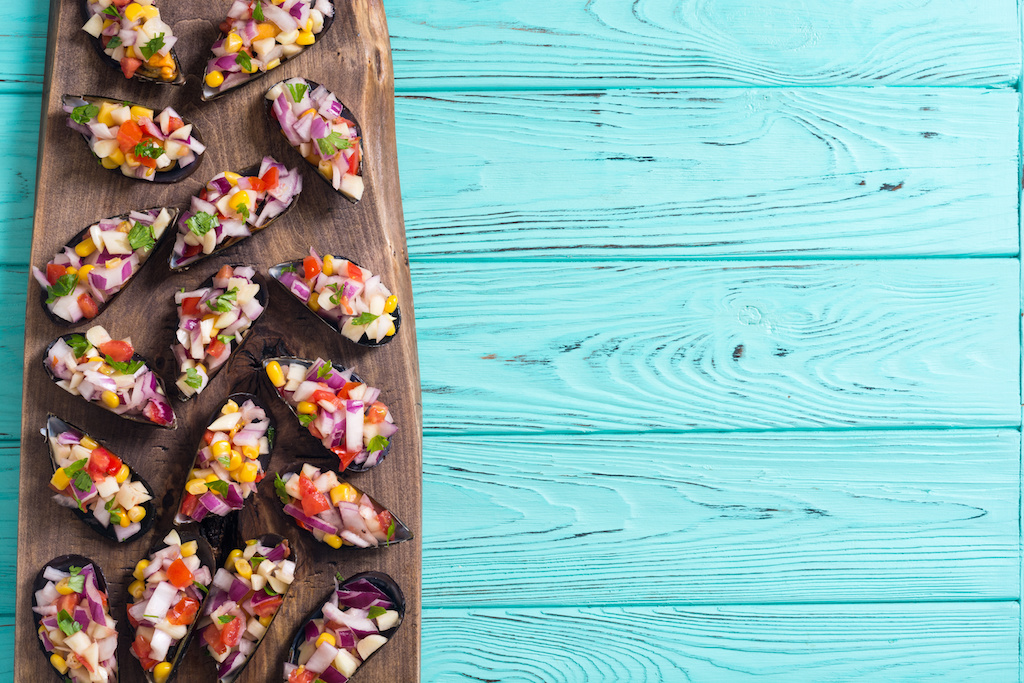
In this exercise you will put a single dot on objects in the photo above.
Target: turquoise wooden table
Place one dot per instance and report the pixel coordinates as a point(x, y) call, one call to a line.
point(719, 323)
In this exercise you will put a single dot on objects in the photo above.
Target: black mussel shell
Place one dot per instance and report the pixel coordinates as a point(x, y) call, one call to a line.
point(276, 272)
point(341, 368)
point(262, 296)
point(264, 459)
point(140, 75)
point(83, 234)
point(379, 580)
point(135, 356)
point(56, 426)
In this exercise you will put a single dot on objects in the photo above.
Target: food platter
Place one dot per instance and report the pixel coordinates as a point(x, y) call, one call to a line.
point(353, 59)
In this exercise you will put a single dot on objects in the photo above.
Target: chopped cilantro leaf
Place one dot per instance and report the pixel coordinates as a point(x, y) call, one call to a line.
point(298, 91)
point(201, 587)
point(68, 625)
point(85, 113)
point(148, 149)
point(125, 368)
point(222, 303)
point(279, 489)
point(152, 47)
point(377, 443)
point(242, 59)
point(64, 285)
point(376, 611)
point(306, 420)
point(141, 236)
point(243, 211)
point(202, 223)
point(220, 486)
point(364, 319)
point(391, 530)
point(324, 370)
point(339, 291)
point(111, 11)
point(79, 345)
point(82, 481)
point(226, 618)
point(257, 11)
point(114, 42)
point(332, 144)
point(193, 378)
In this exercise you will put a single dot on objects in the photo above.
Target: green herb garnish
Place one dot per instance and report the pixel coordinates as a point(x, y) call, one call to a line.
point(279, 489)
point(114, 42)
point(220, 486)
point(226, 338)
point(364, 319)
point(193, 378)
point(257, 11)
point(82, 481)
point(201, 587)
point(324, 370)
point(64, 285)
point(332, 144)
point(339, 291)
point(289, 269)
point(222, 303)
point(270, 591)
point(111, 11)
point(68, 625)
point(202, 223)
point(242, 60)
point(376, 611)
point(148, 149)
point(141, 236)
point(305, 420)
point(126, 368)
point(377, 443)
point(79, 345)
point(243, 211)
point(85, 113)
point(271, 432)
point(224, 460)
point(226, 618)
point(298, 91)
point(391, 530)
point(152, 47)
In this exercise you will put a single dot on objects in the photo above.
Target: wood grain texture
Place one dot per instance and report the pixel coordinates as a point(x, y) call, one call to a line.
point(791, 644)
point(721, 518)
point(353, 61)
point(633, 347)
point(728, 173)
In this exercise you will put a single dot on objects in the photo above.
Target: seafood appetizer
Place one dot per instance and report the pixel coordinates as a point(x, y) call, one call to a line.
point(135, 39)
point(72, 616)
point(168, 593)
point(260, 35)
point(325, 133)
point(108, 373)
point(337, 408)
point(233, 206)
point(244, 599)
point(230, 461)
point(350, 299)
point(104, 491)
point(335, 512)
point(142, 144)
point(97, 264)
point(213, 321)
point(359, 616)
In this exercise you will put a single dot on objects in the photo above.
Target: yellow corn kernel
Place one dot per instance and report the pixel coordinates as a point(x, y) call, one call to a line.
point(343, 492)
point(229, 407)
point(241, 198)
point(86, 442)
point(211, 477)
point(309, 24)
point(105, 369)
point(233, 43)
point(251, 541)
point(113, 263)
point(137, 514)
point(117, 156)
point(133, 11)
point(334, 541)
point(63, 588)
point(247, 474)
point(59, 480)
point(85, 247)
point(104, 117)
point(306, 408)
point(110, 399)
point(129, 52)
point(150, 12)
point(122, 476)
point(391, 330)
point(123, 521)
point(232, 177)
point(161, 672)
point(140, 569)
point(214, 79)
point(232, 556)
point(326, 638)
point(109, 164)
point(196, 487)
point(391, 304)
point(136, 589)
point(266, 620)
point(58, 663)
point(251, 452)
point(220, 448)
point(328, 267)
point(70, 270)
point(266, 29)
point(189, 549)
point(314, 302)
point(275, 374)
point(83, 272)
point(243, 568)
point(141, 112)
point(273, 64)
point(305, 38)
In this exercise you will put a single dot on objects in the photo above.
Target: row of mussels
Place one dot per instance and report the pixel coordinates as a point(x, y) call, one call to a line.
point(179, 587)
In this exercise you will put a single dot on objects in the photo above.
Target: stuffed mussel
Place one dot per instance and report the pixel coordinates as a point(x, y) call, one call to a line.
point(232, 207)
point(213, 321)
point(260, 35)
point(358, 618)
point(335, 512)
point(246, 595)
point(71, 611)
point(230, 461)
point(351, 299)
point(108, 373)
point(322, 130)
point(99, 262)
point(132, 37)
point(168, 593)
point(337, 408)
point(105, 492)
point(141, 144)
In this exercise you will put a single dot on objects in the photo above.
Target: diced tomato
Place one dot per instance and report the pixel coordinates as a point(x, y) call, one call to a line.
point(114, 466)
point(190, 305)
point(225, 26)
point(208, 437)
point(133, 621)
point(202, 194)
point(270, 178)
point(142, 649)
point(353, 161)
point(68, 602)
point(145, 161)
point(384, 519)
point(211, 636)
point(89, 308)
point(328, 397)
point(179, 575)
point(174, 123)
point(128, 135)
point(231, 633)
point(268, 608)
point(313, 502)
point(301, 675)
point(121, 3)
point(377, 412)
point(347, 387)
point(216, 348)
point(99, 460)
point(344, 457)
point(189, 504)
point(129, 65)
point(191, 250)
point(121, 351)
point(314, 431)
point(184, 612)
point(353, 272)
point(311, 267)
point(225, 272)
point(155, 414)
point(54, 272)
point(256, 183)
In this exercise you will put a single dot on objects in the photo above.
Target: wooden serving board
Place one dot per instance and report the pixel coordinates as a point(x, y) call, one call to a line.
point(353, 59)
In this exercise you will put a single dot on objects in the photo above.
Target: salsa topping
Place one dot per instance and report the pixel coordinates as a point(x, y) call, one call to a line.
point(133, 35)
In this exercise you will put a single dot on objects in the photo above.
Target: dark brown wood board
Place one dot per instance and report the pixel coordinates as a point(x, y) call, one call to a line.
point(353, 59)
